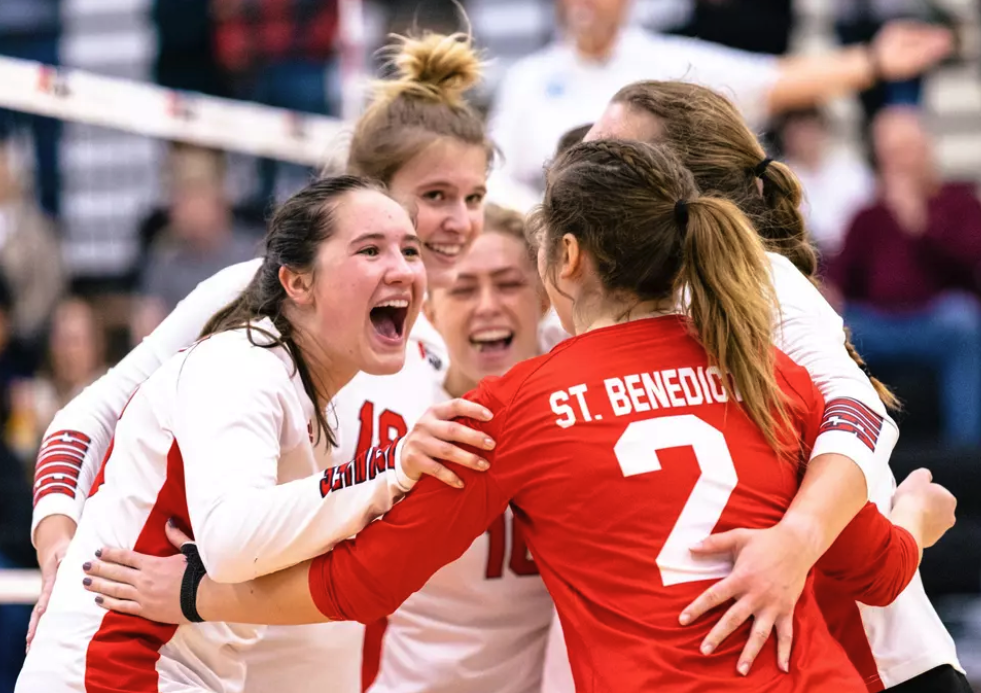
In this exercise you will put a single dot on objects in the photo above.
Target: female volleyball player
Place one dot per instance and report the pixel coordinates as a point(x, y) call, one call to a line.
point(620, 449)
point(905, 640)
point(481, 622)
point(224, 436)
point(428, 145)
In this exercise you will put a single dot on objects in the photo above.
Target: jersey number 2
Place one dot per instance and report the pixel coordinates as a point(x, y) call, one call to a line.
point(636, 451)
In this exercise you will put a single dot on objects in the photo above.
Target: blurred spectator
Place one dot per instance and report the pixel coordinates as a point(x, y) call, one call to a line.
point(836, 182)
point(31, 30)
point(760, 26)
point(909, 271)
point(570, 82)
point(200, 238)
point(75, 359)
point(185, 47)
point(30, 256)
point(281, 53)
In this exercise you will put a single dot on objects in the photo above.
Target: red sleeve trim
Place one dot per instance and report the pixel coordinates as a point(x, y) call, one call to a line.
point(851, 416)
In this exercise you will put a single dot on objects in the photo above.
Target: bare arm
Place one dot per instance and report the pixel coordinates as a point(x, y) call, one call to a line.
point(901, 50)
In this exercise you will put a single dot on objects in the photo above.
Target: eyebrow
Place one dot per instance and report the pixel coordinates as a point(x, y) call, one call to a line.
point(494, 273)
point(410, 237)
point(447, 184)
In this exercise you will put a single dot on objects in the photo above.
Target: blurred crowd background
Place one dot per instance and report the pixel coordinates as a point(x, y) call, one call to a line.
point(102, 232)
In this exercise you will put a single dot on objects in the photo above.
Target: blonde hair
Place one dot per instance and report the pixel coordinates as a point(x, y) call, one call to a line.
point(635, 209)
point(423, 103)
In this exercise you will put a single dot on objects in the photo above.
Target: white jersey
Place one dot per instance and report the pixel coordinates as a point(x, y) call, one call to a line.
point(554, 90)
point(480, 623)
point(221, 438)
point(907, 637)
point(76, 443)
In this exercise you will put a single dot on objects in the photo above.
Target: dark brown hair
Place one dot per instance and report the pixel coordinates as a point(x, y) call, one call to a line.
point(713, 141)
point(295, 233)
point(620, 201)
point(423, 104)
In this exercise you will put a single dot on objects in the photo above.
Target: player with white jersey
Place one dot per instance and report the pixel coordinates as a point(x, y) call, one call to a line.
point(906, 639)
point(419, 138)
point(224, 440)
point(480, 623)
point(568, 83)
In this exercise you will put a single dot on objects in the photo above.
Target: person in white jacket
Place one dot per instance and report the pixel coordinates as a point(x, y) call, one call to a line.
point(568, 83)
point(225, 440)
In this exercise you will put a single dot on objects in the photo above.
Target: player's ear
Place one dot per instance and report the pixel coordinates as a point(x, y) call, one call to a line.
point(298, 285)
point(572, 258)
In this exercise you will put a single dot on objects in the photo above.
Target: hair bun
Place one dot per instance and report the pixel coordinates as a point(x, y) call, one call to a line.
point(439, 67)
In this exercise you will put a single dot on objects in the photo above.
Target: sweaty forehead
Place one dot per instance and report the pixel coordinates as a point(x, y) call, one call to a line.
point(624, 122)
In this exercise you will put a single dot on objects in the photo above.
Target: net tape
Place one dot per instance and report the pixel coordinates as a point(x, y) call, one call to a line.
point(154, 111)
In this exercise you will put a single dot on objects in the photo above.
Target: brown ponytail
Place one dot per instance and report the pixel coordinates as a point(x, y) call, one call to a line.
point(731, 306)
point(621, 202)
point(724, 160)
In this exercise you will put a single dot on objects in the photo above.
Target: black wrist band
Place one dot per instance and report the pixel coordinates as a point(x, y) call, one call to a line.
point(193, 575)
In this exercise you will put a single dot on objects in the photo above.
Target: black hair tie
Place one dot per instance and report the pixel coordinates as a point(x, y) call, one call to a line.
point(761, 167)
point(681, 214)
point(193, 575)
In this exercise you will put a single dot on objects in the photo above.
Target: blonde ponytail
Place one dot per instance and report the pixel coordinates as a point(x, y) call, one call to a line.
point(725, 270)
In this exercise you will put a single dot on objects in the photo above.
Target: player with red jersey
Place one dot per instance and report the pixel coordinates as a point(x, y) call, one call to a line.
point(624, 447)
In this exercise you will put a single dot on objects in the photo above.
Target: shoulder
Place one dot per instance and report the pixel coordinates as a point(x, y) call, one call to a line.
point(237, 356)
point(535, 67)
point(504, 390)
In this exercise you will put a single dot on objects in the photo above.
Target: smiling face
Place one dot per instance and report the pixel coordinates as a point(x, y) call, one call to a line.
point(489, 316)
point(445, 185)
point(367, 286)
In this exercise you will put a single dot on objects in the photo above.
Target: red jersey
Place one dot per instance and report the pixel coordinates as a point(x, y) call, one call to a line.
point(618, 451)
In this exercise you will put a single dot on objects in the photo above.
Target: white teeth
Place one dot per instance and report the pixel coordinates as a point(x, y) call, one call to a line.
point(395, 303)
point(451, 250)
point(490, 335)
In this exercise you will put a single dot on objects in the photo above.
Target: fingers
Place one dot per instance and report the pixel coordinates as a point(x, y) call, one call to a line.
point(723, 542)
point(111, 571)
point(736, 616)
point(121, 556)
point(758, 635)
point(176, 537)
point(453, 432)
point(785, 641)
point(461, 408)
point(430, 467)
point(108, 588)
point(121, 606)
point(38, 611)
point(714, 596)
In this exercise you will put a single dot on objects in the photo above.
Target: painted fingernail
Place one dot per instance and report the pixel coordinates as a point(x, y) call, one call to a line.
point(99, 600)
point(87, 581)
point(684, 619)
point(86, 567)
point(743, 668)
point(98, 553)
point(707, 648)
point(172, 522)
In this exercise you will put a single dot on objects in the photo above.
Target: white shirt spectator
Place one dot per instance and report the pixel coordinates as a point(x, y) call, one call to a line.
point(555, 90)
point(833, 193)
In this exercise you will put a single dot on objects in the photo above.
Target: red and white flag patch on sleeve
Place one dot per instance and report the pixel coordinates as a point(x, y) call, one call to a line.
point(851, 416)
point(59, 462)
